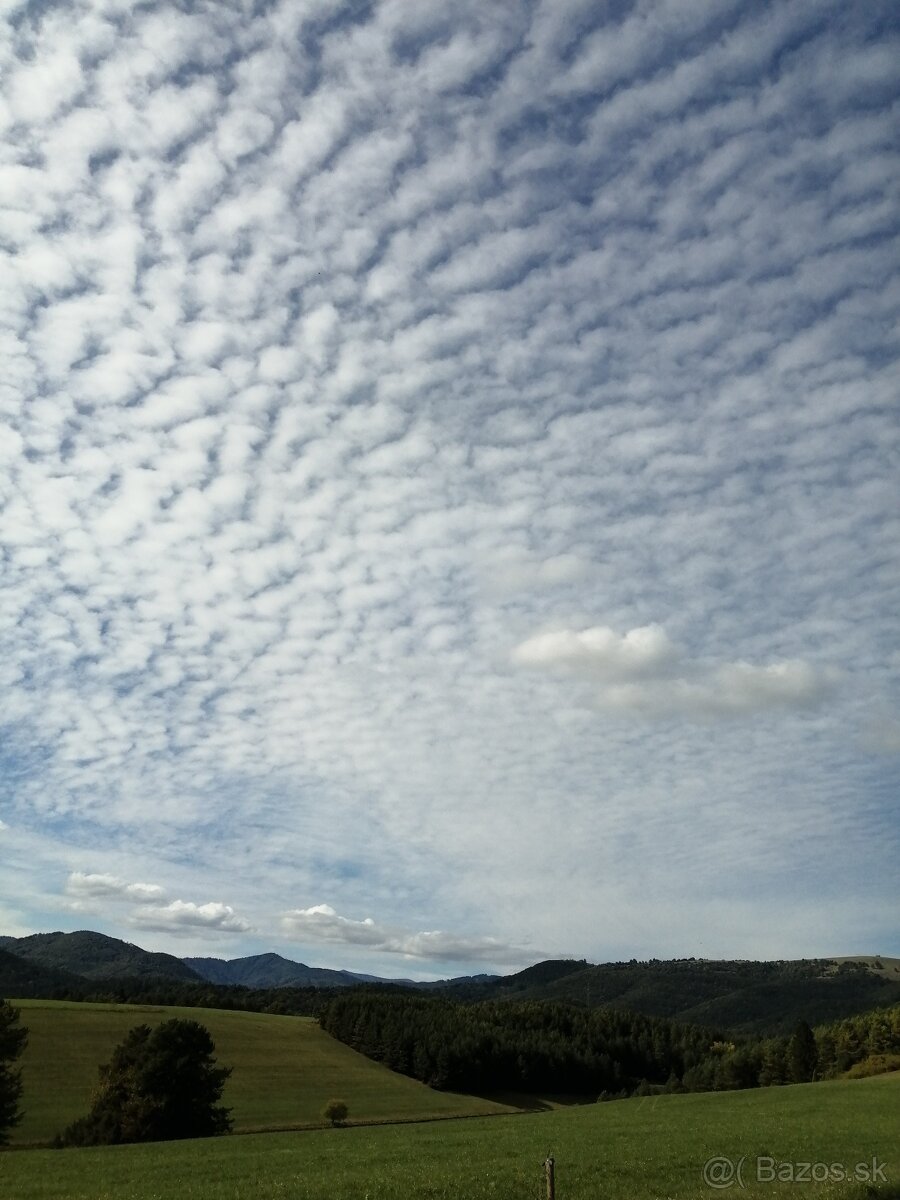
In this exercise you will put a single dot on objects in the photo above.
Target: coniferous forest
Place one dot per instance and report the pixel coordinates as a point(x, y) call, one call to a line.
point(542, 1048)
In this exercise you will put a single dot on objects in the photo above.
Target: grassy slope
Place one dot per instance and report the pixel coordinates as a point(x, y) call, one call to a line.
point(628, 1150)
point(285, 1068)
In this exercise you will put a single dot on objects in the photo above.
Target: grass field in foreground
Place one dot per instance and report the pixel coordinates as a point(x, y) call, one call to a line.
point(285, 1069)
point(627, 1150)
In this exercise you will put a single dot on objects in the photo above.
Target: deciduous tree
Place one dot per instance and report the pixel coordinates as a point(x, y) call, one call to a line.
point(336, 1111)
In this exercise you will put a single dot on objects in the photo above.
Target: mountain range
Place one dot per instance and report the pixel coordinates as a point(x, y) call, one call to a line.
point(95, 956)
point(743, 996)
point(271, 970)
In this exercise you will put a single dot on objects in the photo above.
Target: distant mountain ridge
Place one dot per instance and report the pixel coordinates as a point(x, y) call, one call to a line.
point(96, 956)
point(271, 970)
point(47, 962)
point(739, 995)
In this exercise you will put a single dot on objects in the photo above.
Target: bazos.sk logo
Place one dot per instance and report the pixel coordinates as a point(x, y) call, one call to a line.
point(720, 1172)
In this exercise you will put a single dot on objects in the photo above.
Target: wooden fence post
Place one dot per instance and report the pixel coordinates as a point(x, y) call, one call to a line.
point(551, 1178)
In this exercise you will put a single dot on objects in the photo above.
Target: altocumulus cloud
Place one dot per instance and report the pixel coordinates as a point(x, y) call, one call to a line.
point(403, 404)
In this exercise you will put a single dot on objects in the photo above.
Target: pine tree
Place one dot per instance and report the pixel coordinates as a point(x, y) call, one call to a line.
point(160, 1084)
point(12, 1042)
point(802, 1054)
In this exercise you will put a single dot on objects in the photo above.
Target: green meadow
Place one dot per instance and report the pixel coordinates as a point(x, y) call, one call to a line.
point(626, 1150)
point(284, 1069)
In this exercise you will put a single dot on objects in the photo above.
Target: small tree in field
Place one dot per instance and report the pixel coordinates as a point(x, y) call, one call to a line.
point(12, 1043)
point(160, 1084)
point(336, 1111)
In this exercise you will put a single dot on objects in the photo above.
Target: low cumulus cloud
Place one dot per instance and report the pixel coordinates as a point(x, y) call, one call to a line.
point(86, 891)
point(185, 915)
point(643, 671)
point(81, 886)
point(322, 923)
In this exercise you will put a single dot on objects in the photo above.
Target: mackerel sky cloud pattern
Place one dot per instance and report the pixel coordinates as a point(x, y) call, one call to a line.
point(449, 471)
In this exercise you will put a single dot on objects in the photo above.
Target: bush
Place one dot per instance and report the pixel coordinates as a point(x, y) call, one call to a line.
point(875, 1064)
point(160, 1084)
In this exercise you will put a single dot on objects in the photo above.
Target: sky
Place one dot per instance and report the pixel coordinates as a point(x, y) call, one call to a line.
point(449, 478)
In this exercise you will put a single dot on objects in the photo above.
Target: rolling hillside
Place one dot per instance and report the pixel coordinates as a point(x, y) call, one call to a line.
point(285, 1068)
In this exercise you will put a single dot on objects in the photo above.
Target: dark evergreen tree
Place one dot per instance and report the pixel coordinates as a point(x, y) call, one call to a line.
point(802, 1054)
point(160, 1084)
point(12, 1042)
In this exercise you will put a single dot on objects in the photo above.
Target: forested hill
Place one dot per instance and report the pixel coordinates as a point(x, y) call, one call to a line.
point(750, 997)
point(19, 977)
point(269, 970)
point(96, 956)
point(530, 1047)
point(552, 1048)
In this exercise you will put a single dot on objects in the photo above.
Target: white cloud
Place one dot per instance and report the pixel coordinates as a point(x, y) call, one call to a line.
point(643, 672)
point(95, 892)
point(38, 89)
point(642, 651)
point(322, 924)
point(82, 886)
point(183, 914)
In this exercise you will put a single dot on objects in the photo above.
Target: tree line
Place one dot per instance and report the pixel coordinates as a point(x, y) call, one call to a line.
point(531, 1046)
point(307, 1001)
point(540, 1047)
